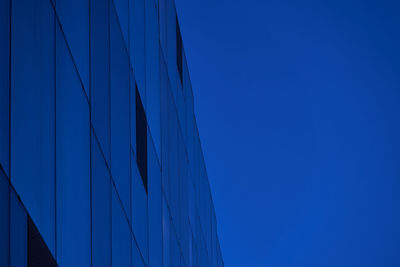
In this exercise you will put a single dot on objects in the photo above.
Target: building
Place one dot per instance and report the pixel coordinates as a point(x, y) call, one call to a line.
point(101, 161)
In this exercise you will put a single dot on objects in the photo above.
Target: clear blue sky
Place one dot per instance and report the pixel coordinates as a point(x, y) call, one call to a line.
point(298, 107)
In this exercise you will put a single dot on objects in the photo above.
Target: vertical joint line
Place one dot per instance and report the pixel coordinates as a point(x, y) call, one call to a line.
point(90, 133)
point(109, 126)
point(109, 76)
point(9, 137)
point(9, 94)
point(55, 131)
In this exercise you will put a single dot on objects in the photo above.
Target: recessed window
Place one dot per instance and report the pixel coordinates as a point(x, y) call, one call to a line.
point(38, 253)
point(179, 50)
point(141, 139)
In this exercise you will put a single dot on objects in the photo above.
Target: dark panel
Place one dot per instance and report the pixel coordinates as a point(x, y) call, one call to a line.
point(179, 48)
point(141, 139)
point(18, 232)
point(38, 253)
point(4, 82)
point(4, 219)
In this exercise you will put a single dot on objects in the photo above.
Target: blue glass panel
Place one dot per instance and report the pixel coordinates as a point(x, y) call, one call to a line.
point(74, 18)
point(172, 162)
point(174, 249)
point(4, 82)
point(120, 114)
point(171, 45)
point(184, 230)
point(18, 233)
point(213, 241)
point(153, 73)
point(155, 207)
point(139, 210)
point(220, 260)
point(4, 219)
point(72, 164)
point(100, 73)
point(137, 44)
point(137, 258)
point(191, 204)
point(32, 109)
point(162, 7)
point(164, 105)
point(122, 8)
point(195, 254)
point(166, 234)
point(133, 110)
point(121, 234)
point(190, 249)
point(101, 208)
point(189, 116)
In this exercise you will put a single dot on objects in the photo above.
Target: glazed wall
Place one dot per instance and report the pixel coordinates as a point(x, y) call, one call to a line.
point(99, 147)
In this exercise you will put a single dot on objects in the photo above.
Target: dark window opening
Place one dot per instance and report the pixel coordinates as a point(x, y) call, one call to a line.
point(141, 139)
point(38, 253)
point(179, 50)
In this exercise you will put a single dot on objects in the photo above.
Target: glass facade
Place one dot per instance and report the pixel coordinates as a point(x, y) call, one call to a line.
point(100, 157)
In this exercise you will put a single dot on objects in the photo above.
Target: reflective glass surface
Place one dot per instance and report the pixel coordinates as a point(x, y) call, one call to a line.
point(100, 159)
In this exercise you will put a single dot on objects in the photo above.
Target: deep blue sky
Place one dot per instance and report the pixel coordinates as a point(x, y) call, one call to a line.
point(298, 107)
